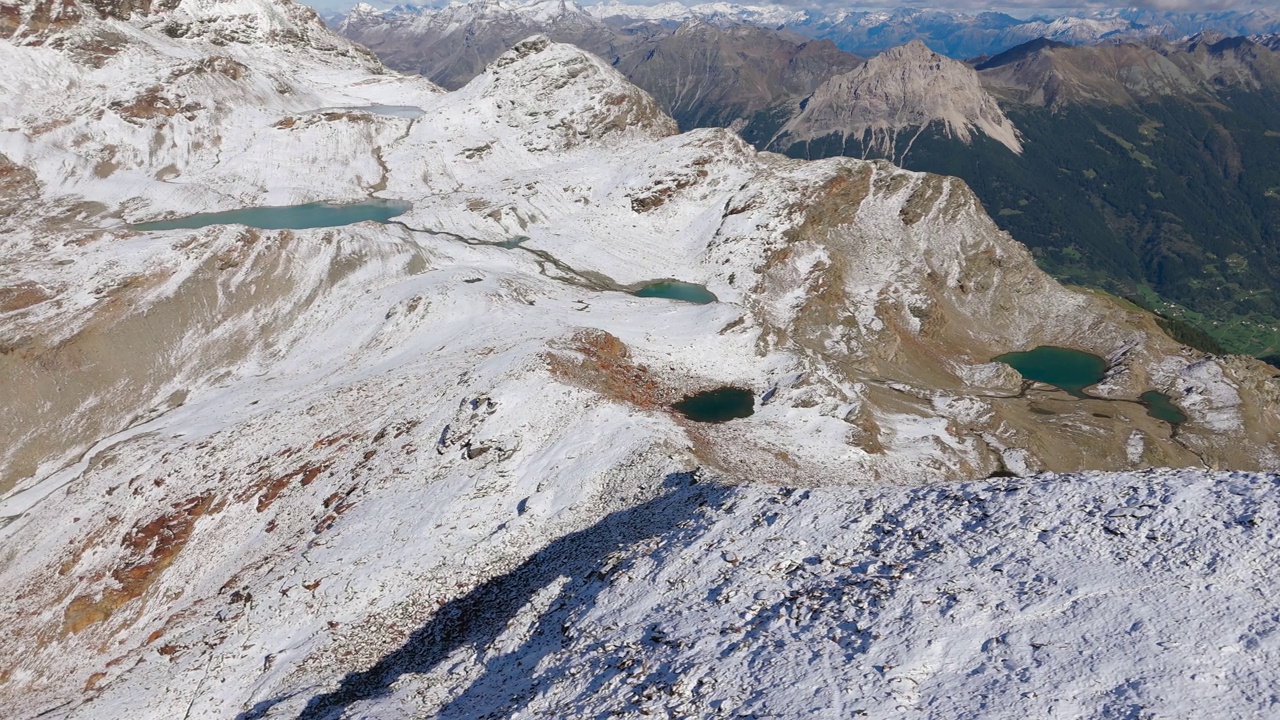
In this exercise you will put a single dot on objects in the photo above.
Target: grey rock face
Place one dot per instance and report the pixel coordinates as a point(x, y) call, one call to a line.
point(902, 90)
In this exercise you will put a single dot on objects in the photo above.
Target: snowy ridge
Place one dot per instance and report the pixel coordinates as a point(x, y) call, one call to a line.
point(554, 97)
point(1009, 598)
point(453, 44)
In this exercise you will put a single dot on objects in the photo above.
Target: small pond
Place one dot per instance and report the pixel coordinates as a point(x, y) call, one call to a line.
point(676, 290)
point(291, 217)
point(1161, 407)
point(1069, 370)
point(718, 405)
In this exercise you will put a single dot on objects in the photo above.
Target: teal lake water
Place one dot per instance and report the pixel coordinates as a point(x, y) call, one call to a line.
point(291, 217)
point(1161, 407)
point(1069, 370)
point(676, 290)
point(717, 406)
point(1073, 371)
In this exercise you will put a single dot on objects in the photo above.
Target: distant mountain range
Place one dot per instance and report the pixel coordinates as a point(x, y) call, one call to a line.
point(864, 32)
point(954, 33)
point(704, 74)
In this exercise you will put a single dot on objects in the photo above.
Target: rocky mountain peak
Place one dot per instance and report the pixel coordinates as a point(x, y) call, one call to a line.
point(1207, 38)
point(902, 90)
point(363, 10)
point(523, 49)
point(453, 44)
point(563, 96)
point(557, 11)
point(915, 51)
point(1014, 54)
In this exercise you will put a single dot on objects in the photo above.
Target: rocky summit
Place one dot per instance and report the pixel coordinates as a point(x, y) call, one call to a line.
point(440, 463)
point(902, 90)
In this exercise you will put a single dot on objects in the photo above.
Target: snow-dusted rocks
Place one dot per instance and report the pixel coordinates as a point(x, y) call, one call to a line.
point(1089, 596)
point(248, 466)
point(559, 96)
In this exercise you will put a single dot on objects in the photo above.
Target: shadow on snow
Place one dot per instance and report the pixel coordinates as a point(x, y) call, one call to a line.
point(478, 618)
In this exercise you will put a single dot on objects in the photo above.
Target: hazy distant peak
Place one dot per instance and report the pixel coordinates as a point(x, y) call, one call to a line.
point(1021, 51)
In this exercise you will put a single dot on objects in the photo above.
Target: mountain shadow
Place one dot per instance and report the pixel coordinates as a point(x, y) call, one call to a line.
point(478, 618)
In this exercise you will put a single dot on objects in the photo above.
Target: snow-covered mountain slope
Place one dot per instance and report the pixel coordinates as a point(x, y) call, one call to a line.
point(1083, 596)
point(168, 125)
point(1232, 22)
point(184, 104)
point(1271, 41)
point(249, 465)
point(900, 91)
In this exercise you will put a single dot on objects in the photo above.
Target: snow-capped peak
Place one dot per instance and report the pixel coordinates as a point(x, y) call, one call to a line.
point(716, 12)
point(560, 96)
point(462, 14)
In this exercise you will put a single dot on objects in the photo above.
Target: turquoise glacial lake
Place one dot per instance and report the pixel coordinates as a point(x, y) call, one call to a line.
point(1073, 371)
point(291, 217)
point(1063, 368)
point(676, 290)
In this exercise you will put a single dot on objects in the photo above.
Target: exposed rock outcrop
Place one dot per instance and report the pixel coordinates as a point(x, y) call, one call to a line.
point(899, 93)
